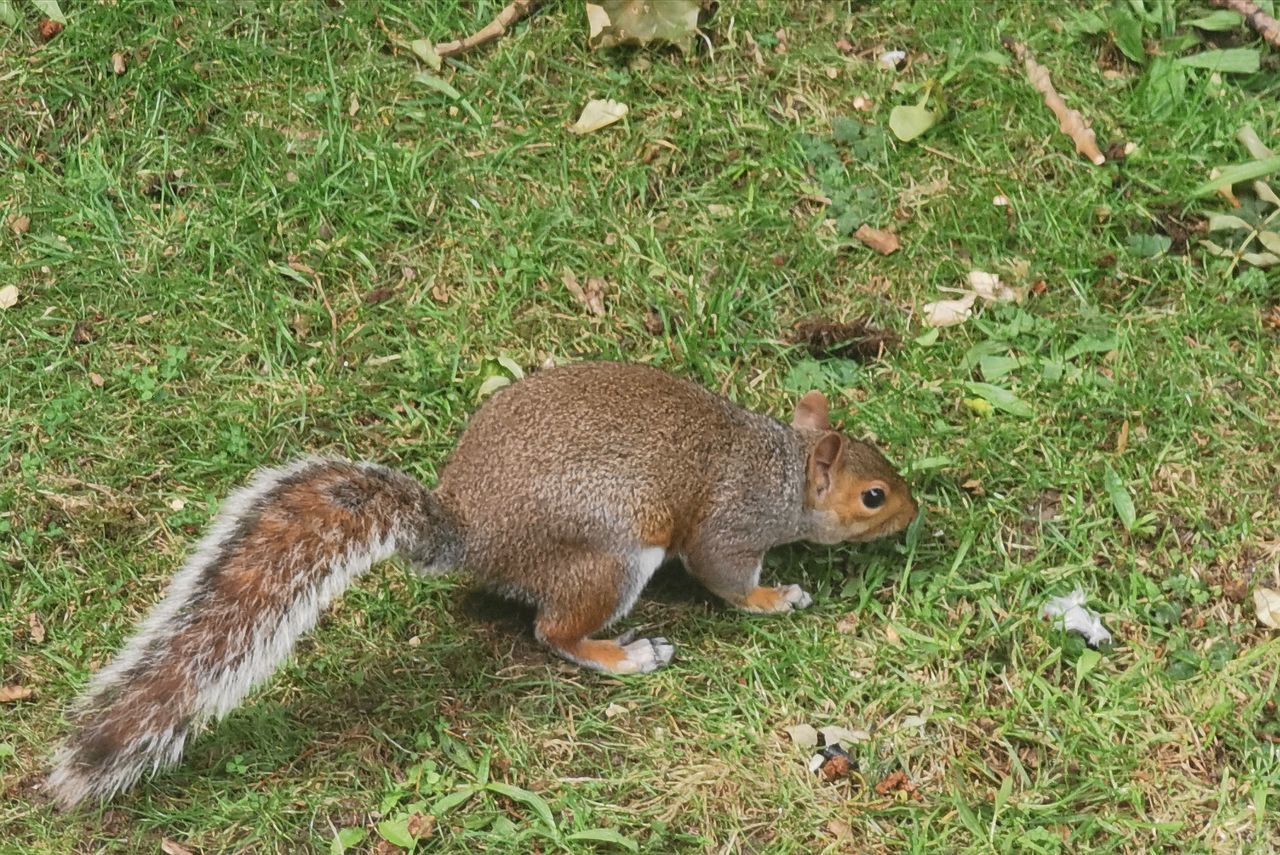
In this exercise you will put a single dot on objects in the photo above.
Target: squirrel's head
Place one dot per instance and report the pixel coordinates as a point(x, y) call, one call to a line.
point(851, 491)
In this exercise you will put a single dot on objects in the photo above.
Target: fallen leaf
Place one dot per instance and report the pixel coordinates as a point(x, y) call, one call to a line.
point(19, 224)
point(1266, 603)
point(35, 628)
point(915, 721)
point(848, 624)
point(1002, 399)
point(989, 287)
point(420, 825)
point(96, 379)
point(591, 297)
point(598, 114)
point(908, 121)
point(883, 242)
point(803, 735)
point(948, 313)
point(13, 692)
point(839, 829)
point(642, 22)
point(117, 63)
point(891, 635)
point(615, 710)
point(177, 504)
point(426, 52)
point(173, 847)
point(8, 296)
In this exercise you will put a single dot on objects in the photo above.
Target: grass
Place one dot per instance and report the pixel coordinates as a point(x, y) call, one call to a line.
point(204, 289)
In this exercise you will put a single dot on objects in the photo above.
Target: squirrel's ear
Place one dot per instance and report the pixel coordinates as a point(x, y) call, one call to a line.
point(811, 412)
point(825, 461)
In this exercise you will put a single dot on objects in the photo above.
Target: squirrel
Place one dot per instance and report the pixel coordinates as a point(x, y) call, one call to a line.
point(566, 490)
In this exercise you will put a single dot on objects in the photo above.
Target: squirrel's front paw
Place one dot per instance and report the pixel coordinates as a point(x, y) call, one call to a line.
point(784, 598)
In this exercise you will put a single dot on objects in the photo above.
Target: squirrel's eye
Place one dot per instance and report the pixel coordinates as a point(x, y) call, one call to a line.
point(873, 498)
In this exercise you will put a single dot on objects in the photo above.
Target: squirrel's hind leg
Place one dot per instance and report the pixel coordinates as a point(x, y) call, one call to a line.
point(589, 594)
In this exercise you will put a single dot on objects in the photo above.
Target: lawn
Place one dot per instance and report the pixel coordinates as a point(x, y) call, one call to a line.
point(266, 238)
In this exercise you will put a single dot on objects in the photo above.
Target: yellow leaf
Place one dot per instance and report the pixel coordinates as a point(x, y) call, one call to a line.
point(598, 114)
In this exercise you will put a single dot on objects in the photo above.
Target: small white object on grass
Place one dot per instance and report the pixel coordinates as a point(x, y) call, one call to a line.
point(1077, 618)
point(893, 58)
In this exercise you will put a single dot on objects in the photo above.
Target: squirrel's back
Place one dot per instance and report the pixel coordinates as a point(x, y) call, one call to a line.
point(604, 451)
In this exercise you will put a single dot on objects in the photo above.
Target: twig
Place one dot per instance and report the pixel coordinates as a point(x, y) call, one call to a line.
point(1070, 122)
point(1267, 26)
point(496, 28)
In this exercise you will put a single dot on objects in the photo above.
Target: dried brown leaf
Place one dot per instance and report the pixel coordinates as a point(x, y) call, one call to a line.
point(13, 692)
point(118, 66)
point(35, 628)
point(8, 296)
point(883, 242)
point(19, 224)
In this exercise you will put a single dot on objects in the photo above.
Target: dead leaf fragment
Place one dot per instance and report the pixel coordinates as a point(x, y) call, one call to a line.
point(19, 224)
point(948, 313)
point(173, 847)
point(117, 64)
point(642, 22)
point(420, 825)
point(591, 297)
point(803, 735)
point(615, 710)
point(13, 692)
point(35, 628)
point(989, 287)
point(8, 296)
point(883, 242)
point(598, 113)
point(897, 782)
point(1266, 602)
point(96, 379)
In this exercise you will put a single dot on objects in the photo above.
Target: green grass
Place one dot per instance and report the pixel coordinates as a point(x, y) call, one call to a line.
point(164, 346)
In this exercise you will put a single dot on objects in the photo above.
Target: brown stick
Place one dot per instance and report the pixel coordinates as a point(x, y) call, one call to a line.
point(1070, 122)
point(496, 28)
point(1267, 26)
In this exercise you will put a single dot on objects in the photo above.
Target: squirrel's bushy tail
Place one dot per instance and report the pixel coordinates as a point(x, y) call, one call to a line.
point(279, 551)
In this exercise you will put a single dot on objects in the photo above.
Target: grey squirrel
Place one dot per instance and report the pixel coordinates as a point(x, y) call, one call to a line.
point(566, 490)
